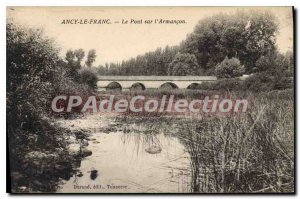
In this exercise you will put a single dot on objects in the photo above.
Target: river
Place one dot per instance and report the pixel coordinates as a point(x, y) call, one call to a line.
point(130, 162)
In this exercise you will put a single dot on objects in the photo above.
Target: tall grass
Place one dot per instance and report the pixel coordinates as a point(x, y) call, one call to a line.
point(253, 152)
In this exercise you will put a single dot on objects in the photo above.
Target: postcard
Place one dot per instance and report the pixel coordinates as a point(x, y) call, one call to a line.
point(150, 100)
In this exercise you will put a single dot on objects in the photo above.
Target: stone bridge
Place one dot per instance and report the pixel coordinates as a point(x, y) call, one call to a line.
point(146, 82)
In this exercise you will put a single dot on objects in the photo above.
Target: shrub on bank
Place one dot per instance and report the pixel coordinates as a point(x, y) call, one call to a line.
point(258, 82)
point(229, 68)
point(222, 85)
point(34, 74)
point(88, 77)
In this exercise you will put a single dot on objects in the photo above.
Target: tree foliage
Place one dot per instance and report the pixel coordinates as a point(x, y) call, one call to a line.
point(183, 64)
point(76, 71)
point(32, 61)
point(89, 77)
point(91, 58)
point(229, 68)
point(35, 74)
point(245, 35)
point(79, 54)
point(275, 63)
point(151, 63)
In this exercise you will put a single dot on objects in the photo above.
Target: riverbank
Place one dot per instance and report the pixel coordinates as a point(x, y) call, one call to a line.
point(43, 167)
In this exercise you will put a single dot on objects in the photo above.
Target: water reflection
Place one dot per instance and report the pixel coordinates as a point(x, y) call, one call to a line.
point(132, 162)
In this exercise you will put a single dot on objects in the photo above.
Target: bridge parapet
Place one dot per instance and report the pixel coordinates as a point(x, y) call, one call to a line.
point(158, 78)
point(126, 82)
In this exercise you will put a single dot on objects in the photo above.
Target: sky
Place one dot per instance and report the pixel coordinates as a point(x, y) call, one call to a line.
point(116, 41)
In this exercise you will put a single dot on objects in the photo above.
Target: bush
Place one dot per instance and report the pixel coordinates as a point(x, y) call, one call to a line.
point(265, 63)
point(276, 63)
point(259, 82)
point(266, 82)
point(223, 84)
point(66, 85)
point(229, 68)
point(32, 63)
point(88, 77)
point(34, 74)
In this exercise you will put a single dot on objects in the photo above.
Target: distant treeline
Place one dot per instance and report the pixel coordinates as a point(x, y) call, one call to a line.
point(151, 63)
point(234, 44)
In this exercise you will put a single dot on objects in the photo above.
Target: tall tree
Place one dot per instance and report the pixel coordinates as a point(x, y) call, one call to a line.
point(73, 65)
point(79, 54)
point(245, 35)
point(183, 64)
point(70, 56)
point(91, 57)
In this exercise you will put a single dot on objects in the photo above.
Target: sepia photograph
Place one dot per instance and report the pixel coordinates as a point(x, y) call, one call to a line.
point(193, 100)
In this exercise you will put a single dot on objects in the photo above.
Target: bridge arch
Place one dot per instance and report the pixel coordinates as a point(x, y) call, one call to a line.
point(114, 86)
point(193, 86)
point(169, 85)
point(137, 86)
